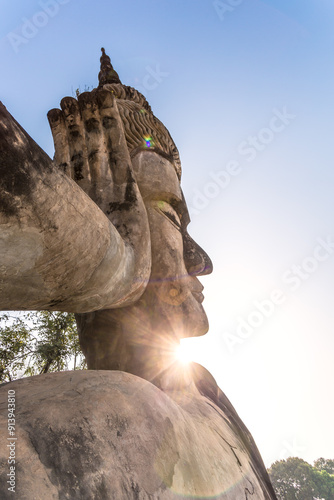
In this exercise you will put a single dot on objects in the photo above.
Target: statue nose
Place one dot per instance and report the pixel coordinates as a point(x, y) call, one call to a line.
point(197, 261)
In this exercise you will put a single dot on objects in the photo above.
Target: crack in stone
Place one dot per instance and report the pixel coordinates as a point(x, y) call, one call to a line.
point(231, 447)
point(247, 490)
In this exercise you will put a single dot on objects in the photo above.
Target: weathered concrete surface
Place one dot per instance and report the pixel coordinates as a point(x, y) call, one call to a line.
point(111, 435)
point(139, 338)
point(58, 249)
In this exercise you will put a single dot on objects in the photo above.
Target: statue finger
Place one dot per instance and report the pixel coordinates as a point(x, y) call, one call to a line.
point(118, 153)
point(96, 149)
point(59, 134)
point(76, 141)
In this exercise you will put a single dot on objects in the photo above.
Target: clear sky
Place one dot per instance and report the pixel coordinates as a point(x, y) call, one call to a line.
point(246, 89)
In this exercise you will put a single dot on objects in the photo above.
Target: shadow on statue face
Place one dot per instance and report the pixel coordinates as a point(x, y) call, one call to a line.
point(173, 297)
point(142, 338)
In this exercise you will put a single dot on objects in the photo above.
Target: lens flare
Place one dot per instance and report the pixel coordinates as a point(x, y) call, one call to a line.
point(183, 354)
point(148, 141)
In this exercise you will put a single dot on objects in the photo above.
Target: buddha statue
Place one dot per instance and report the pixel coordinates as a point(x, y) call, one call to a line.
point(101, 231)
point(131, 314)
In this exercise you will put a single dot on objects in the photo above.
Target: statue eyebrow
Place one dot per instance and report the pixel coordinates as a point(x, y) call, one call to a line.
point(180, 208)
point(177, 203)
point(167, 197)
point(171, 216)
point(174, 206)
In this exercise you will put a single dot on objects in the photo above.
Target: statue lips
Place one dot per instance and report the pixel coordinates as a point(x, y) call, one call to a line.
point(198, 295)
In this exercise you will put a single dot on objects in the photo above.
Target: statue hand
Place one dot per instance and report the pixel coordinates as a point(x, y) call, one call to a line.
point(90, 147)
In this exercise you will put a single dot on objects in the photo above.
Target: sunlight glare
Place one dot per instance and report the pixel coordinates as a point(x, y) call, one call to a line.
point(183, 353)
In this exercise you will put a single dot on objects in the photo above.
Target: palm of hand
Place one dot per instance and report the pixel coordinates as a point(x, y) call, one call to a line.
point(90, 147)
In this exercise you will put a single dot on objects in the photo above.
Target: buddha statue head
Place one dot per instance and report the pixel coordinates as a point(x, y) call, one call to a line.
point(137, 337)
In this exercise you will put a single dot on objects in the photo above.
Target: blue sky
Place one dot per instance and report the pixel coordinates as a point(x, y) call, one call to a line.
point(218, 80)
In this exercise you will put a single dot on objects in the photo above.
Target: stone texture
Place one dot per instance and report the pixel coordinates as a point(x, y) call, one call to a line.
point(58, 250)
point(102, 232)
point(98, 435)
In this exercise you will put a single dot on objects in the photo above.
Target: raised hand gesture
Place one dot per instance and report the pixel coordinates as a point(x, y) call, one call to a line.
point(66, 247)
point(90, 147)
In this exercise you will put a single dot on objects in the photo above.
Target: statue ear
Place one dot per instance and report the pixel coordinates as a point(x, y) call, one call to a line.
point(197, 261)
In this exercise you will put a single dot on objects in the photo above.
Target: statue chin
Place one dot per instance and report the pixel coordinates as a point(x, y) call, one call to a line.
point(139, 338)
point(187, 319)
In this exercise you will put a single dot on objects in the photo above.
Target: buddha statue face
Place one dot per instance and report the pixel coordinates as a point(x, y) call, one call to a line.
point(142, 338)
point(173, 297)
point(137, 337)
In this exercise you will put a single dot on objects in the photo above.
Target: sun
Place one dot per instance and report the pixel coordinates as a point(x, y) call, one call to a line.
point(184, 354)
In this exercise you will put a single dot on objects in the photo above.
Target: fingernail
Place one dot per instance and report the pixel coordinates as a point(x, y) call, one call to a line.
point(69, 105)
point(87, 100)
point(54, 116)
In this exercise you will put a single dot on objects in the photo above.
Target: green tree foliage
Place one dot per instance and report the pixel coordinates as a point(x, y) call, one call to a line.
point(295, 479)
point(38, 342)
point(324, 465)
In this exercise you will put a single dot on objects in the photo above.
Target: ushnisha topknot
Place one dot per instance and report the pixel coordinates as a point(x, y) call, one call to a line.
point(107, 73)
point(142, 129)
